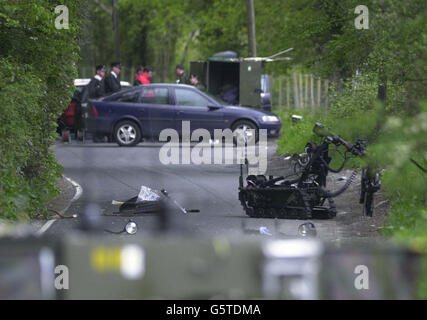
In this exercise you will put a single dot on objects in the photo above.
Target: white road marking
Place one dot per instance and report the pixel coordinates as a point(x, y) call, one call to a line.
point(77, 195)
point(79, 191)
point(45, 227)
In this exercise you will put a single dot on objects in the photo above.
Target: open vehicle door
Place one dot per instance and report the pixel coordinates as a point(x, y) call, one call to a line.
point(250, 83)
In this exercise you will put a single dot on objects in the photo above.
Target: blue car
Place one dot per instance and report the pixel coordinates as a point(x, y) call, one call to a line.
point(144, 111)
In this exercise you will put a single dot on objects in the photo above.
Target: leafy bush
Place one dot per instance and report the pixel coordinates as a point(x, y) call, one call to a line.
point(353, 115)
point(294, 137)
point(19, 105)
point(37, 66)
point(401, 142)
point(354, 111)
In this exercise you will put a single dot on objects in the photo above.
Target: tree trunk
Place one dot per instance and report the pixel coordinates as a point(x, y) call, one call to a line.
point(116, 29)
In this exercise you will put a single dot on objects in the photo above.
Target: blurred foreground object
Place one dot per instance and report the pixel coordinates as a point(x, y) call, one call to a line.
point(187, 268)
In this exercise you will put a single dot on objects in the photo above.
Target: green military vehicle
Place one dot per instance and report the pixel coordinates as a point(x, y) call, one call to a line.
point(237, 81)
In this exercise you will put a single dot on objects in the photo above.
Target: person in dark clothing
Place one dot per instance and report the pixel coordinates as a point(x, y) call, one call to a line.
point(181, 77)
point(95, 88)
point(112, 80)
point(194, 81)
point(138, 72)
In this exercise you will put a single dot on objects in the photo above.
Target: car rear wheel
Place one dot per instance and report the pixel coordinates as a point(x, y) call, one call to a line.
point(127, 133)
point(244, 129)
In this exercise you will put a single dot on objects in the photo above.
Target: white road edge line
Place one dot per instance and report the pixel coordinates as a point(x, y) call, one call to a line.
point(45, 227)
point(77, 195)
point(79, 191)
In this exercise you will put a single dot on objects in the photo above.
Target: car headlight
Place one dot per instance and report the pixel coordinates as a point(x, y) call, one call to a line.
point(270, 119)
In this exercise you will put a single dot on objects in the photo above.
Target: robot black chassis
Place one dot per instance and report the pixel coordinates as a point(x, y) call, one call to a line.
point(306, 197)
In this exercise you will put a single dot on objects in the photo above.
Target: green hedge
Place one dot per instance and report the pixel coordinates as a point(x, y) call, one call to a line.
point(37, 67)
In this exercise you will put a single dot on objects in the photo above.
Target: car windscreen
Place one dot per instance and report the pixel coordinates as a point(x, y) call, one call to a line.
point(216, 98)
point(186, 97)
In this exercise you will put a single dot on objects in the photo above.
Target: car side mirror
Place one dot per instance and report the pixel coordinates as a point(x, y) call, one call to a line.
point(213, 108)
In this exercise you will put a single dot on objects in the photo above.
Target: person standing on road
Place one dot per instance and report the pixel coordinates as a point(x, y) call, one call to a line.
point(112, 80)
point(95, 89)
point(180, 74)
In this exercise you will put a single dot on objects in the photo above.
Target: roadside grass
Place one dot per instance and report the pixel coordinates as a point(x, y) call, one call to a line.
point(294, 137)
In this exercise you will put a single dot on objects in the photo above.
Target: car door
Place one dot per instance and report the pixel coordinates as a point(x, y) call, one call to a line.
point(199, 110)
point(250, 83)
point(110, 111)
point(160, 111)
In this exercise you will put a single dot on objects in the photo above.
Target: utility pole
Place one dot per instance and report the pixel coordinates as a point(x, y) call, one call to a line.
point(116, 29)
point(251, 27)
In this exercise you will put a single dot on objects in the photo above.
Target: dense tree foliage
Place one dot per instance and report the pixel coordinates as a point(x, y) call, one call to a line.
point(37, 65)
point(326, 42)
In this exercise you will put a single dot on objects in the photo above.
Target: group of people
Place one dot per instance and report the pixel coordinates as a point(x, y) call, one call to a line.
point(101, 84)
point(183, 79)
point(143, 75)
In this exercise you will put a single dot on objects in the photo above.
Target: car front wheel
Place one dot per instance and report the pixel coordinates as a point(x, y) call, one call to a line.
point(245, 130)
point(127, 133)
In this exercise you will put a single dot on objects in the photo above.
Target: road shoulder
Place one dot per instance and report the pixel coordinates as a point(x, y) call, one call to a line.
point(70, 191)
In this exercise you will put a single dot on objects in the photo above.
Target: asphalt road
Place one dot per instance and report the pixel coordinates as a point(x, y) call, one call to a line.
point(108, 172)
